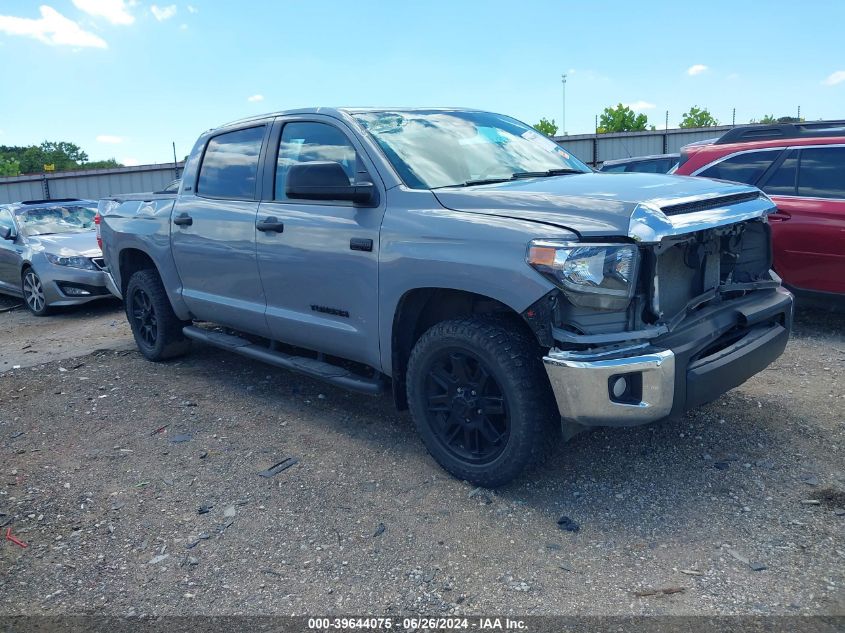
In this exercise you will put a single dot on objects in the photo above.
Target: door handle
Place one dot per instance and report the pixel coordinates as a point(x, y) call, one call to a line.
point(779, 216)
point(183, 219)
point(271, 224)
point(361, 244)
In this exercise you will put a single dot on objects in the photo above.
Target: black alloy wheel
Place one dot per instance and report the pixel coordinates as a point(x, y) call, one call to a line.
point(144, 315)
point(466, 407)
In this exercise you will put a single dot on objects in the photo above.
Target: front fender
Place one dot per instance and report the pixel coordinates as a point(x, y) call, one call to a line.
point(445, 249)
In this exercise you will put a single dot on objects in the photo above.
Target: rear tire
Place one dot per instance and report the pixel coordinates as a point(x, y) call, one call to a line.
point(33, 293)
point(480, 399)
point(156, 328)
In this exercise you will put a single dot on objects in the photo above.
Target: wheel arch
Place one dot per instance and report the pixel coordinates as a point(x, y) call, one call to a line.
point(419, 309)
point(130, 261)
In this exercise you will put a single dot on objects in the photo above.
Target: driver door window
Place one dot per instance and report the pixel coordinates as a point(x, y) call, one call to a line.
point(305, 142)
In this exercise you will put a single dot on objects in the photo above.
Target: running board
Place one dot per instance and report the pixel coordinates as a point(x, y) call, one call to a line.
point(333, 374)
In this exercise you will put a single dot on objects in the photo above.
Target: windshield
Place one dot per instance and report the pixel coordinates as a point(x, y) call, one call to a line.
point(444, 148)
point(49, 220)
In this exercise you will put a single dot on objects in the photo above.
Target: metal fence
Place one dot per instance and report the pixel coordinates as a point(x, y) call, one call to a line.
point(91, 184)
point(597, 148)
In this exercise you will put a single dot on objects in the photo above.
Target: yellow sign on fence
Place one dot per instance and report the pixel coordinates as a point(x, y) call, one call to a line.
point(50, 167)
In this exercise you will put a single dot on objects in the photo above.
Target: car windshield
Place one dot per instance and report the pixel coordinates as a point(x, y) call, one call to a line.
point(446, 148)
point(50, 220)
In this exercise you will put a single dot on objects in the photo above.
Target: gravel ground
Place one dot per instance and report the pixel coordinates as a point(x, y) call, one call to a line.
point(136, 487)
point(29, 340)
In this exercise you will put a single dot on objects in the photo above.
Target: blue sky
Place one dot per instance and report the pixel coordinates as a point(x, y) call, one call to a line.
point(124, 78)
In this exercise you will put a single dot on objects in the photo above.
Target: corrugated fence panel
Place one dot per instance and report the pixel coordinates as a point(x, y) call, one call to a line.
point(578, 147)
point(25, 190)
point(633, 144)
point(628, 146)
point(92, 184)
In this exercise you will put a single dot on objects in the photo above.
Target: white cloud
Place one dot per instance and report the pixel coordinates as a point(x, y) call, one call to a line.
point(835, 78)
point(110, 139)
point(163, 13)
point(192, 9)
point(51, 28)
point(696, 69)
point(130, 162)
point(255, 98)
point(115, 11)
point(639, 106)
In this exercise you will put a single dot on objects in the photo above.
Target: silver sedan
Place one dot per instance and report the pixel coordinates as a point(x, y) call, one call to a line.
point(49, 254)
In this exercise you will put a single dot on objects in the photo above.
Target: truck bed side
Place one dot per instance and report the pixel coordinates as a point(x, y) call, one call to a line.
point(135, 230)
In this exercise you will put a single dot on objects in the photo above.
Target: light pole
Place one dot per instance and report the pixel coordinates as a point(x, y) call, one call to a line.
point(563, 110)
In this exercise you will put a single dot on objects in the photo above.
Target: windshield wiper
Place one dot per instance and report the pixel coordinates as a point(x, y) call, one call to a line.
point(549, 172)
point(515, 176)
point(480, 181)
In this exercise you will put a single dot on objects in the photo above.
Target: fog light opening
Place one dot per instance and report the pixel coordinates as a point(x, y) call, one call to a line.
point(626, 388)
point(74, 291)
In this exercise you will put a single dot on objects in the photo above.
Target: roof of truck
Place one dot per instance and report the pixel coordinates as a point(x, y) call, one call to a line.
point(338, 112)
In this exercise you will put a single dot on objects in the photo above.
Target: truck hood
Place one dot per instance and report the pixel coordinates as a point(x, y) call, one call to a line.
point(592, 205)
point(66, 244)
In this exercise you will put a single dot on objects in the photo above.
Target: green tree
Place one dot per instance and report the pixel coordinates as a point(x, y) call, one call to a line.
point(32, 160)
point(61, 154)
point(103, 164)
point(621, 119)
point(698, 117)
point(549, 128)
point(9, 166)
point(770, 119)
point(766, 119)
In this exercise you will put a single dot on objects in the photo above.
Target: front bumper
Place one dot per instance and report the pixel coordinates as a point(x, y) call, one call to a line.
point(713, 351)
point(66, 286)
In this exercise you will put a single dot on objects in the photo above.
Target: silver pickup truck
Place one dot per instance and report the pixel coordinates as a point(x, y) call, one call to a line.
point(503, 291)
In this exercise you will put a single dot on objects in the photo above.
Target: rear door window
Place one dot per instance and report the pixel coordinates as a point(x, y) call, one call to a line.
point(648, 167)
point(230, 165)
point(821, 173)
point(782, 181)
point(746, 168)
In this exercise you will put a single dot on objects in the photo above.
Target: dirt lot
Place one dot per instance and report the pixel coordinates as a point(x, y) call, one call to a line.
point(29, 341)
point(136, 488)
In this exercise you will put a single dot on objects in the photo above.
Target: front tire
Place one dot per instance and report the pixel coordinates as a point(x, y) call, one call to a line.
point(33, 293)
point(156, 328)
point(480, 399)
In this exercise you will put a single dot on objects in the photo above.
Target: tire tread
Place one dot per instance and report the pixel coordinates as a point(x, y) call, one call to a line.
point(173, 341)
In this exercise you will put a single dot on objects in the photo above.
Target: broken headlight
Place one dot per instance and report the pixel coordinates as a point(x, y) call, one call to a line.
point(592, 275)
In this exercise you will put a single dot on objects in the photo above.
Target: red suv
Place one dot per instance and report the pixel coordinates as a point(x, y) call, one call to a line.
point(801, 166)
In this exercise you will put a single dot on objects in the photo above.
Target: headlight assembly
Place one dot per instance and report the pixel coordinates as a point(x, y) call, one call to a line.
point(592, 275)
point(71, 262)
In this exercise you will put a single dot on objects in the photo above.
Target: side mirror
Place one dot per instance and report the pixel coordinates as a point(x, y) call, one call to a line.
point(6, 233)
point(325, 180)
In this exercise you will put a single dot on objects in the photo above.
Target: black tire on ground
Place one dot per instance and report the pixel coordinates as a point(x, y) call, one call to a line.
point(480, 399)
point(33, 293)
point(156, 328)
